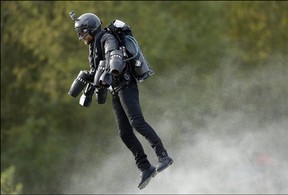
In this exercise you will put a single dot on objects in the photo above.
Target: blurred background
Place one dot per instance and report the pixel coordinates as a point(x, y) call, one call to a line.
point(218, 99)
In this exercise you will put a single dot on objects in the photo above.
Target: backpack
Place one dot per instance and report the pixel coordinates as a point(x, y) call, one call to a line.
point(132, 53)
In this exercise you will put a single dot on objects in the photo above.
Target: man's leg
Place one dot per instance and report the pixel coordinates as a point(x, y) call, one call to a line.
point(132, 142)
point(129, 98)
point(128, 137)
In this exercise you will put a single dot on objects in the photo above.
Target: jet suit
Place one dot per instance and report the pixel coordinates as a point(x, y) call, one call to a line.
point(125, 102)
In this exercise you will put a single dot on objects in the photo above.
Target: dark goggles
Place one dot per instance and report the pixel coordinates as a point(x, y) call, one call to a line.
point(82, 33)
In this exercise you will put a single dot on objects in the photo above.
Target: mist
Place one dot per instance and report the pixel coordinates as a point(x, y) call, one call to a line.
point(229, 136)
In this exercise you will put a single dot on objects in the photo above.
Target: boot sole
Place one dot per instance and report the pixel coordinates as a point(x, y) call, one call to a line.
point(159, 170)
point(145, 183)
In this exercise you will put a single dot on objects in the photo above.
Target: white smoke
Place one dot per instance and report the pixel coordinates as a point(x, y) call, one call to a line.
point(240, 148)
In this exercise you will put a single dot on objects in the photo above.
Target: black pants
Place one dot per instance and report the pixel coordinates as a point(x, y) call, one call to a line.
point(128, 115)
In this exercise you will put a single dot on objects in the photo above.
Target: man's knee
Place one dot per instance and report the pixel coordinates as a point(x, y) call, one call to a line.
point(137, 122)
point(125, 134)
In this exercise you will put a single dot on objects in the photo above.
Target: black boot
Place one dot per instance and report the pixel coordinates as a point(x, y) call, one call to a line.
point(145, 177)
point(163, 163)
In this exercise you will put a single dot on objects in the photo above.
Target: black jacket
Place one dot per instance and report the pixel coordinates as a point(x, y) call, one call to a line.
point(101, 47)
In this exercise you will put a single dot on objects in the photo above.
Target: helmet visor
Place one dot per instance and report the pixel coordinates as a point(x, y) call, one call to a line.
point(82, 33)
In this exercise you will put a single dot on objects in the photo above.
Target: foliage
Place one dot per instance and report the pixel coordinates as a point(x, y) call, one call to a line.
point(257, 29)
point(46, 134)
point(8, 185)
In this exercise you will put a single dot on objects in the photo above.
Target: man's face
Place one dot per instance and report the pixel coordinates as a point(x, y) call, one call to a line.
point(88, 39)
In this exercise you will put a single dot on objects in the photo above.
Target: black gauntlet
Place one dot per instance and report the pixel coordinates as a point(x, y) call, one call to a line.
point(101, 94)
point(86, 97)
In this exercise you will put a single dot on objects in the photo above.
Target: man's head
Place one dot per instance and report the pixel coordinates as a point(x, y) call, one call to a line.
point(85, 25)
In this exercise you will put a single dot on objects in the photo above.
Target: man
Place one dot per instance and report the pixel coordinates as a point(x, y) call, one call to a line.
point(125, 96)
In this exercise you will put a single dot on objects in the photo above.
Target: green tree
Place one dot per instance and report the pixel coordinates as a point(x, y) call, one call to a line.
point(8, 185)
point(258, 29)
